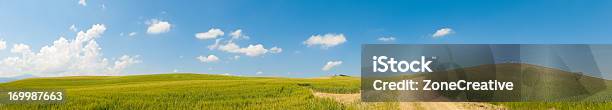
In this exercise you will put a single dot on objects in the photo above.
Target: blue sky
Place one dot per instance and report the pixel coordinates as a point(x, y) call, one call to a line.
point(287, 24)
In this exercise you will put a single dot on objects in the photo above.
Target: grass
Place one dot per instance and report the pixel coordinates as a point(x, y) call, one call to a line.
point(203, 91)
point(599, 101)
point(186, 91)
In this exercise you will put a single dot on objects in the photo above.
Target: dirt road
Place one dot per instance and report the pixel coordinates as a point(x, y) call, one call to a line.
point(356, 99)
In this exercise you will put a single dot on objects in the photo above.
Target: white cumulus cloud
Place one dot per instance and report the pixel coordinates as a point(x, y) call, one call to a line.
point(237, 34)
point(123, 62)
point(73, 28)
point(2, 44)
point(230, 46)
point(94, 32)
point(132, 34)
point(251, 50)
point(208, 59)
point(215, 45)
point(210, 34)
point(386, 39)
point(158, 26)
point(325, 41)
point(82, 3)
point(79, 56)
point(442, 32)
point(331, 64)
point(21, 48)
point(276, 50)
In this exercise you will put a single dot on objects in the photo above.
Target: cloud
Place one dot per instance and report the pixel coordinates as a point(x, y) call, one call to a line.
point(230, 46)
point(237, 34)
point(2, 44)
point(386, 39)
point(325, 41)
point(129, 34)
point(276, 50)
point(82, 3)
point(73, 28)
point(208, 59)
point(94, 32)
point(443, 32)
point(79, 56)
point(258, 73)
point(252, 50)
point(236, 57)
point(210, 34)
point(331, 64)
point(158, 26)
point(132, 34)
point(215, 45)
point(103, 6)
point(21, 48)
point(123, 62)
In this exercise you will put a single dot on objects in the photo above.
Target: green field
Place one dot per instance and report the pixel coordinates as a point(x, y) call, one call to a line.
point(599, 101)
point(203, 91)
point(186, 91)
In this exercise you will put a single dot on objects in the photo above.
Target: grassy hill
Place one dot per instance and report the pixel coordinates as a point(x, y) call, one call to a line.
point(186, 91)
point(541, 87)
point(204, 91)
point(534, 83)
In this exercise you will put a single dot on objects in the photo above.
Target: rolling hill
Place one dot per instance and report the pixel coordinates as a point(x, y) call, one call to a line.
point(205, 91)
point(185, 91)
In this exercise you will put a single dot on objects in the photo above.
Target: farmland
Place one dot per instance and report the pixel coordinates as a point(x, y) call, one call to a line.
point(205, 91)
point(187, 91)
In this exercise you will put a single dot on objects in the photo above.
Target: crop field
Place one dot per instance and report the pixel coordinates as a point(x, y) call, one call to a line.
point(599, 101)
point(186, 91)
point(203, 91)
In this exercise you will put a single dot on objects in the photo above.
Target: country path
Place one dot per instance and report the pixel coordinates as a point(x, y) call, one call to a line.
point(355, 99)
